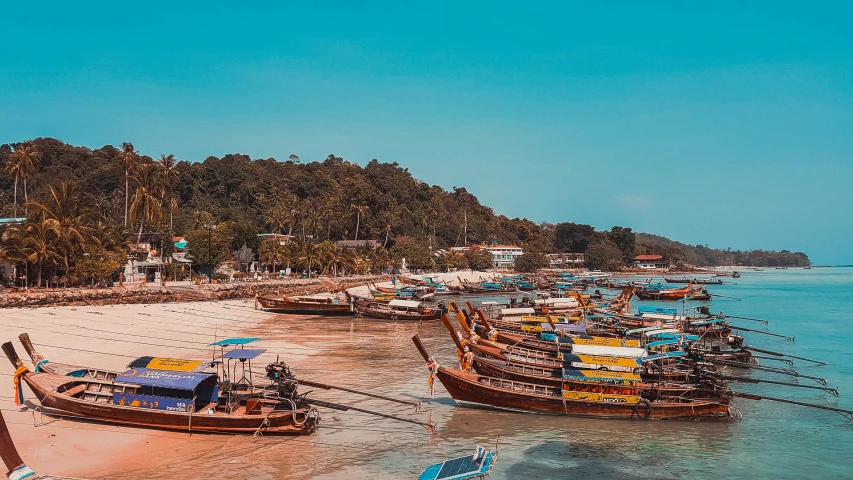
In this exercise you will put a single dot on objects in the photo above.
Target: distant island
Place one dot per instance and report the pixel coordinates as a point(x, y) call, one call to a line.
point(83, 202)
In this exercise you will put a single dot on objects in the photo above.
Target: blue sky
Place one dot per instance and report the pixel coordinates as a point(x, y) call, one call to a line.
point(729, 126)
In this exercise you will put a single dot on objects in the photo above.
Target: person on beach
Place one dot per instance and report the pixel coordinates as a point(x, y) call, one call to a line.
point(432, 365)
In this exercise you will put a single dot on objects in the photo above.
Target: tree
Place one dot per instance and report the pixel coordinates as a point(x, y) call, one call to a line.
point(479, 259)
point(572, 237)
point(360, 210)
point(624, 239)
point(272, 252)
point(169, 173)
point(530, 262)
point(197, 244)
point(604, 255)
point(38, 242)
point(146, 205)
point(65, 213)
point(22, 164)
point(414, 251)
point(129, 161)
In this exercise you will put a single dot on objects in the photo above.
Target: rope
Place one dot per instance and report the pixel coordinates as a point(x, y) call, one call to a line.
point(39, 364)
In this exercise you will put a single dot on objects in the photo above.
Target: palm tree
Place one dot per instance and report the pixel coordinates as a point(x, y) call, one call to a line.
point(37, 243)
point(360, 210)
point(66, 214)
point(272, 252)
point(146, 206)
point(130, 161)
point(24, 161)
point(169, 172)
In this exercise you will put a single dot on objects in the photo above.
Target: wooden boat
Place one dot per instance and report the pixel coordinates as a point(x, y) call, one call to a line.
point(17, 469)
point(478, 465)
point(706, 281)
point(306, 305)
point(398, 310)
point(170, 400)
point(530, 397)
point(653, 293)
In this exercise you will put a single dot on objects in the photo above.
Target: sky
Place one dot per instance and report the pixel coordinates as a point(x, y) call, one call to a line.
point(728, 126)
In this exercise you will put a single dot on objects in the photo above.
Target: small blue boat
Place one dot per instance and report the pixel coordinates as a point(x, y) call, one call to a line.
point(478, 465)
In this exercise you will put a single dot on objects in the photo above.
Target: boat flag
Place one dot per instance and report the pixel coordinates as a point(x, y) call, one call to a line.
point(479, 453)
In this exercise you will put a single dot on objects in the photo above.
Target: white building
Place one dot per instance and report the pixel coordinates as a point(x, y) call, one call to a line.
point(503, 256)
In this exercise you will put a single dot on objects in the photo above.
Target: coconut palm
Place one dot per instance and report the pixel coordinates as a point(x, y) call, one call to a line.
point(169, 173)
point(38, 242)
point(65, 212)
point(129, 161)
point(272, 252)
point(24, 161)
point(146, 206)
point(360, 210)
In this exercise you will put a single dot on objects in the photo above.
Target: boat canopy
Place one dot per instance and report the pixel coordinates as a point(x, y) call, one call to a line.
point(404, 303)
point(671, 311)
point(517, 311)
point(660, 356)
point(489, 302)
point(658, 316)
point(236, 341)
point(589, 374)
point(661, 332)
point(173, 364)
point(165, 378)
point(565, 327)
point(556, 301)
point(625, 352)
point(243, 354)
point(641, 330)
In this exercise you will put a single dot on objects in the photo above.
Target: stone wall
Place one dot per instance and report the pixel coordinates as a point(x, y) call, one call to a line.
point(158, 294)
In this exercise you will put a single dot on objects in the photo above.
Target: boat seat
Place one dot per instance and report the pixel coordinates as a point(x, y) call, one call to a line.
point(72, 392)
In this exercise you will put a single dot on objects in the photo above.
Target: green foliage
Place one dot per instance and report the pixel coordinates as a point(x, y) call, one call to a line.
point(415, 251)
point(197, 244)
point(479, 259)
point(624, 239)
point(603, 255)
point(530, 262)
point(98, 265)
point(572, 237)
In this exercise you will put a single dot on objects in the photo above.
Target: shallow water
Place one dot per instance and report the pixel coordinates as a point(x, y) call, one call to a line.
point(772, 441)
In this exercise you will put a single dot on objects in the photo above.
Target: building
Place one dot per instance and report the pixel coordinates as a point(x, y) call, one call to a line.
point(353, 244)
point(503, 256)
point(565, 260)
point(7, 267)
point(145, 259)
point(650, 262)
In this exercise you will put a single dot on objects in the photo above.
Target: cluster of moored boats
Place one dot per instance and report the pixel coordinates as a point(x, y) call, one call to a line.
point(599, 359)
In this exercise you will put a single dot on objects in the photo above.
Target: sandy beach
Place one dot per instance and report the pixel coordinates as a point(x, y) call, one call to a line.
point(111, 336)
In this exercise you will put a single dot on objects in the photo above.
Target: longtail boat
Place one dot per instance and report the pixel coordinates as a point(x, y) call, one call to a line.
point(705, 281)
point(306, 305)
point(15, 466)
point(468, 467)
point(531, 397)
point(170, 400)
point(398, 310)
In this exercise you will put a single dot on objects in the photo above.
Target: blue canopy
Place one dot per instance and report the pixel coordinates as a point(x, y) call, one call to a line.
point(164, 378)
point(243, 354)
point(236, 341)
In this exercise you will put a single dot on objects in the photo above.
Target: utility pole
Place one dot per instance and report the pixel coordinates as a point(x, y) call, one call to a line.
point(466, 229)
point(210, 229)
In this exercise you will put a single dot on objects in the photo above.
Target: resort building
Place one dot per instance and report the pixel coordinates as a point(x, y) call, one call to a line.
point(503, 256)
point(565, 260)
point(650, 262)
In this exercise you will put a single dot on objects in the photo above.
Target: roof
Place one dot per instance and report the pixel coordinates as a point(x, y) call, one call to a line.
point(163, 378)
point(517, 311)
point(647, 258)
point(243, 354)
point(404, 303)
point(12, 220)
point(356, 243)
point(236, 341)
point(626, 352)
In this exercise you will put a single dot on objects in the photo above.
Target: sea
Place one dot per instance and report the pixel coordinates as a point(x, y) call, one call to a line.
point(771, 440)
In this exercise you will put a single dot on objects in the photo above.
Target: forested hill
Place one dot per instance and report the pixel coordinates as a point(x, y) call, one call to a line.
point(332, 199)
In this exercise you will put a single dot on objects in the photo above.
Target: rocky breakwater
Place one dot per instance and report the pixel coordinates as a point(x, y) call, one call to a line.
point(130, 294)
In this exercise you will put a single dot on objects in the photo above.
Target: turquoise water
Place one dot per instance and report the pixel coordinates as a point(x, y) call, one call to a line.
point(773, 440)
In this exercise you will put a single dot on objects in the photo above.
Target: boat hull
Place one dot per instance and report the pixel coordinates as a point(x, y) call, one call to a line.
point(304, 308)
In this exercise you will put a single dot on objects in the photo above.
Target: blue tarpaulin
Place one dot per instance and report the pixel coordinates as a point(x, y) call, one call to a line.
point(236, 341)
point(243, 354)
point(164, 378)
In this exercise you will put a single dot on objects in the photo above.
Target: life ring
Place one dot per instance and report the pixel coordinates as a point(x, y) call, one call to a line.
point(190, 408)
point(637, 409)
